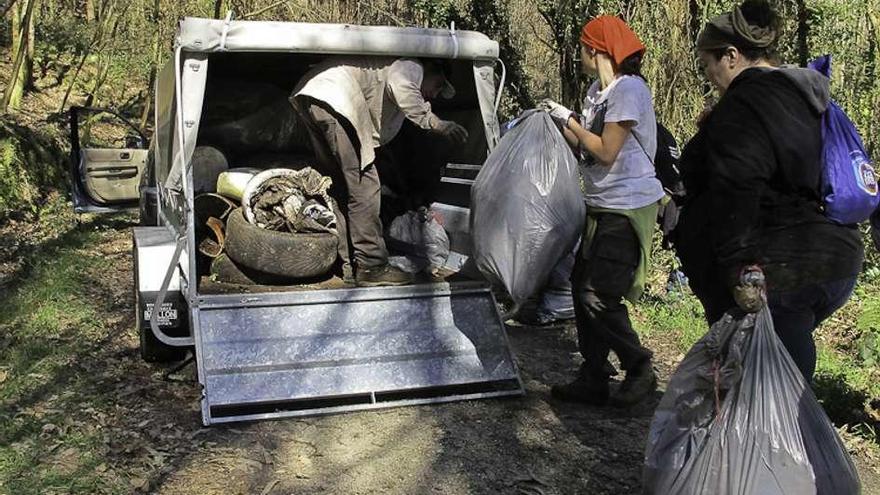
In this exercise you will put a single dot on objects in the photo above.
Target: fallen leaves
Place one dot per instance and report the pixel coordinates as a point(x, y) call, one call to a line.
point(67, 460)
point(138, 483)
point(269, 487)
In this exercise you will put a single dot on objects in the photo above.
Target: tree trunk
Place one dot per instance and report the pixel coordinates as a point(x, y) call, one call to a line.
point(103, 71)
point(154, 63)
point(28, 63)
point(696, 25)
point(218, 8)
point(90, 10)
point(696, 18)
point(18, 77)
point(803, 32)
point(570, 79)
point(8, 7)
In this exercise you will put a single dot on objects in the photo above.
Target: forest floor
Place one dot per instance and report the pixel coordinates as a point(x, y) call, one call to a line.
point(80, 412)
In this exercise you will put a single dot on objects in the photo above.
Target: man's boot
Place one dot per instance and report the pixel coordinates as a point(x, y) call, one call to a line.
point(639, 383)
point(348, 274)
point(584, 389)
point(382, 275)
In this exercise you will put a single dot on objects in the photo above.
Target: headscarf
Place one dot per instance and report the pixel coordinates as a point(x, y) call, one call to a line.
point(725, 29)
point(611, 35)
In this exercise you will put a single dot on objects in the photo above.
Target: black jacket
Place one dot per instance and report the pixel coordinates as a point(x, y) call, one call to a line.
point(752, 177)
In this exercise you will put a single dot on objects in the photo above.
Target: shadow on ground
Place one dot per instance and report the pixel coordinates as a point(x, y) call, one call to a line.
point(100, 420)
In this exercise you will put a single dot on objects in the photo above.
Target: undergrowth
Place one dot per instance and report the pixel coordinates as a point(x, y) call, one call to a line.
point(847, 379)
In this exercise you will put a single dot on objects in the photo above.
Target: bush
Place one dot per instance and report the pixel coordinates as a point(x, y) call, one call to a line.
point(30, 165)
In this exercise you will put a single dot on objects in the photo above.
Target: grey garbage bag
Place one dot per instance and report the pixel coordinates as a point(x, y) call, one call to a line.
point(555, 302)
point(422, 239)
point(527, 209)
point(739, 418)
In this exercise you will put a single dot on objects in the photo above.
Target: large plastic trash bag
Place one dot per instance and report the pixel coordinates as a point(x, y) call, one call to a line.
point(422, 239)
point(555, 302)
point(739, 418)
point(527, 209)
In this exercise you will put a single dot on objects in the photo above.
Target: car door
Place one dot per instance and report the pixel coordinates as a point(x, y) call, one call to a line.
point(108, 159)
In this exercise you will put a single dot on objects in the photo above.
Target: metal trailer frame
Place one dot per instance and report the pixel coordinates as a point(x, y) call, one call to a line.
point(457, 367)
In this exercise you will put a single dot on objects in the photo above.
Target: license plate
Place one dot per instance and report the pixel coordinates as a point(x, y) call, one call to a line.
point(166, 316)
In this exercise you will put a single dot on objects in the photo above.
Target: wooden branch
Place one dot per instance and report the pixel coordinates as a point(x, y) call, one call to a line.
point(79, 67)
point(383, 12)
point(309, 14)
point(554, 49)
point(554, 27)
point(8, 7)
point(264, 9)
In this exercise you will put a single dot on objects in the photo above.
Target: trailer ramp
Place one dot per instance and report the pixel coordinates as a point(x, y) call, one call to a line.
point(318, 352)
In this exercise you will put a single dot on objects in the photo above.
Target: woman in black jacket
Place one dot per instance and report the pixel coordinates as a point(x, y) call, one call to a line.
point(752, 177)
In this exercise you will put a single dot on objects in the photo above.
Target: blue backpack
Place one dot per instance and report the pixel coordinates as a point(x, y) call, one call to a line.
point(849, 186)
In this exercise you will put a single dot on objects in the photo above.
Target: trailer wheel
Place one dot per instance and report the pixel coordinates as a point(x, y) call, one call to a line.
point(152, 349)
point(294, 255)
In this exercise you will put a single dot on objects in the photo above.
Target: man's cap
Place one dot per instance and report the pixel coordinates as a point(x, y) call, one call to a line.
point(444, 68)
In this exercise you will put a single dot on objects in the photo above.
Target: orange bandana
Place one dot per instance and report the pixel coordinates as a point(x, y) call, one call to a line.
point(611, 35)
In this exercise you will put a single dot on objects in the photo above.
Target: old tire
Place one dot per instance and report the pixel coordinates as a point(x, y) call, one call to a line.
point(207, 164)
point(225, 270)
point(285, 254)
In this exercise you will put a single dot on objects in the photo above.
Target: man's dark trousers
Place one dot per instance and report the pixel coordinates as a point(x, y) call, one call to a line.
point(356, 190)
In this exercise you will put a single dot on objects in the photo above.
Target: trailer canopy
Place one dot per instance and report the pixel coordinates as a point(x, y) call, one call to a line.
point(212, 35)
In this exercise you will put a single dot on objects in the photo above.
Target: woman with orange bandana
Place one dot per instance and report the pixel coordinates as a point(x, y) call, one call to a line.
point(616, 138)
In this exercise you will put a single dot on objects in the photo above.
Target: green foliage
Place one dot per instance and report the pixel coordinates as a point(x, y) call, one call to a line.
point(15, 189)
point(675, 314)
point(435, 13)
point(565, 20)
point(30, 164)
point(869, 348)
point(847, 31)
point(492, 17)
point(49, 327)
point(867, 344)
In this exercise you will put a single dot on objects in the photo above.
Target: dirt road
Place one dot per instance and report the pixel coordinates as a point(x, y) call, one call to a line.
point(149, 437)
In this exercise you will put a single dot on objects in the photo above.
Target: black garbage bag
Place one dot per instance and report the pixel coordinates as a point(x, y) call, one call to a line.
point(738, 418)
point(527, 209)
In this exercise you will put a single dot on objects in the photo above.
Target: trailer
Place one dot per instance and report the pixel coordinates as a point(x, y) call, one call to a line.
point(312, 348)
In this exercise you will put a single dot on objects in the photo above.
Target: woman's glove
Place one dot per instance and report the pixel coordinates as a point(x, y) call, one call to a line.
point(558, 113)
point(750, 294)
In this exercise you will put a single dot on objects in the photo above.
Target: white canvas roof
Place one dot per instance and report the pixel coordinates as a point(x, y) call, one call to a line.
point(212, 35)
point(198, 38)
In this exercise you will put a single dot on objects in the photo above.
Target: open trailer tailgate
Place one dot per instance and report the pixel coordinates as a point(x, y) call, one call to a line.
point(317, 352)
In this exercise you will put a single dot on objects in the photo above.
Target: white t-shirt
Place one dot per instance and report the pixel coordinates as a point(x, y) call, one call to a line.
point(630, 182)
point(375, 94)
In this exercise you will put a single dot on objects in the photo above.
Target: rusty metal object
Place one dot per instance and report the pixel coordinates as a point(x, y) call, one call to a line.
point(213, 248)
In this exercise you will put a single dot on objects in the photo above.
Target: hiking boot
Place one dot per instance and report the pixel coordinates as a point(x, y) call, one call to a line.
point(585, 390)
point(542, 318)
point(348, 275)
point(639, 383)
point(382, 275)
